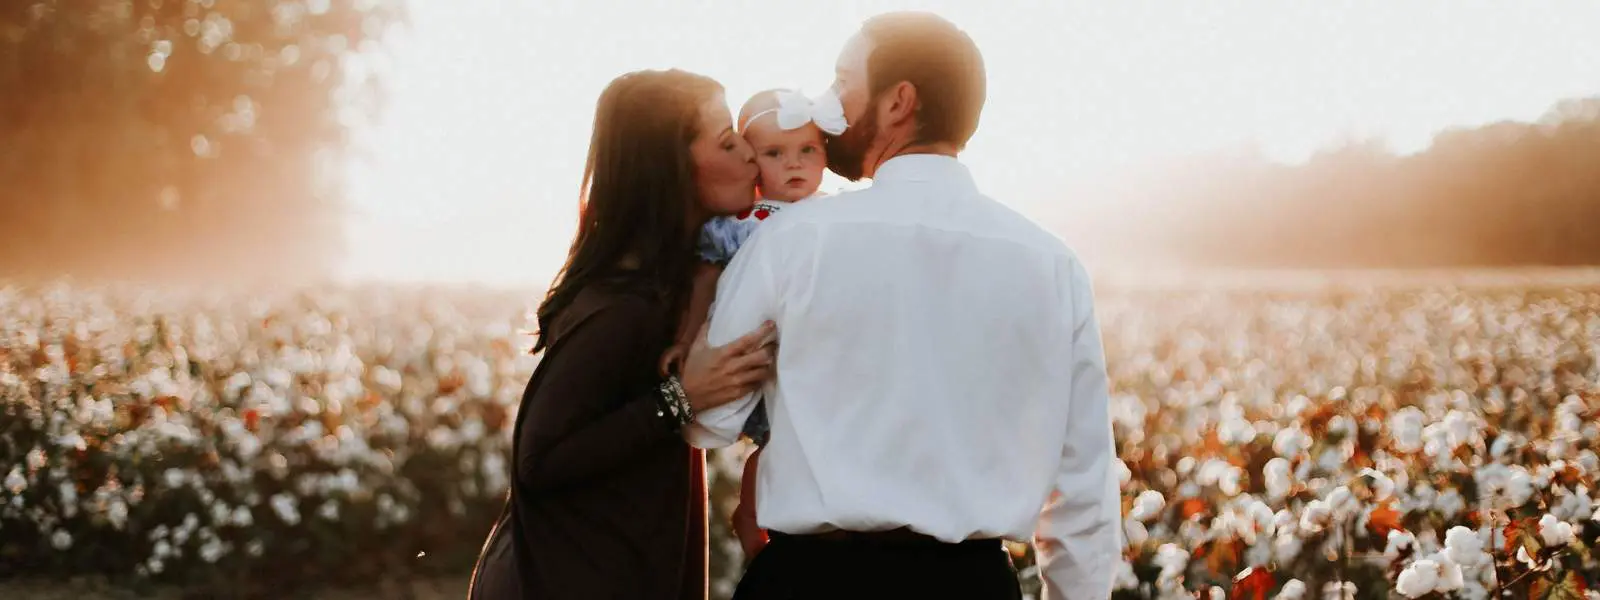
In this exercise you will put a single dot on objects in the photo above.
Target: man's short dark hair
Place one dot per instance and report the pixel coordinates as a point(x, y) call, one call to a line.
point(937, 58)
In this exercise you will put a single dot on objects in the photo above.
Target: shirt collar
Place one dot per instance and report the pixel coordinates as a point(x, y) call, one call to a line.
point(923, 167)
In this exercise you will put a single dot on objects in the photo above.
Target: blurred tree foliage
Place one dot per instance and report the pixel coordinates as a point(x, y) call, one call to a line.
point(1505, 194)
point(188, 139)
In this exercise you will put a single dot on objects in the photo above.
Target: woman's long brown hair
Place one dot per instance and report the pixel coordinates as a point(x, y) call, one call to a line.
point(638, 192)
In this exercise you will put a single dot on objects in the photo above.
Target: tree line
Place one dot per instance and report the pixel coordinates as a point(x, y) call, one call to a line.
point(1504, 194)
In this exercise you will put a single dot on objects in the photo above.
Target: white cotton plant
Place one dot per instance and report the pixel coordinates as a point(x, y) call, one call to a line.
point(1519, 487)
point(1287, 547)
point(1336, 590)
point(1382, 487)
point(1291, 442)
point(1148, 505)
point(1397, 542)
point(1429, 575)
point(1261, 514)
point(1125, 578)
point(287, 508)
point(1451, 577)
point(1465, 547)
point(1317, 516)
point(1405, 429)
point(1572, 505)
point(1342, 504)
point(1450, 503)
point(15, 482)
point(1293, 589)
point(1278, 479)
point(1555, 532)
point(1134, 533)
point(1230, 481)
point(1172, 560)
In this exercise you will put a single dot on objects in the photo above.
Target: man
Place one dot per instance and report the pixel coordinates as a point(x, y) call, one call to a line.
point(940, 376)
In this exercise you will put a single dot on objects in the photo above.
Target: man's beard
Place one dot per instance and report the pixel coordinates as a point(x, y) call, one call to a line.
point(848, 151)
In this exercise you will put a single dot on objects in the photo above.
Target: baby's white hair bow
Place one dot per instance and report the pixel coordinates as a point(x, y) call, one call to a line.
point(795, 110)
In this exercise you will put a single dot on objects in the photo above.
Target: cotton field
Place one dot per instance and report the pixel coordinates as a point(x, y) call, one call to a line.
point(1406, 441)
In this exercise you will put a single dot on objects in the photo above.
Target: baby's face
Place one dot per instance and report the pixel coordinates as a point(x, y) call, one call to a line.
point(791, 161)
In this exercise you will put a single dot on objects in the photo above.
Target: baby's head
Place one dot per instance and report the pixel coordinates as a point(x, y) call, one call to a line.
point(792, 160)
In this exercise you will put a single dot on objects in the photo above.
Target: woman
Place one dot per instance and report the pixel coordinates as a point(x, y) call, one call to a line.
point(608, 502)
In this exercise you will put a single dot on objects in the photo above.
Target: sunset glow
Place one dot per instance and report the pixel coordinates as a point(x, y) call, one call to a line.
point(474, 170)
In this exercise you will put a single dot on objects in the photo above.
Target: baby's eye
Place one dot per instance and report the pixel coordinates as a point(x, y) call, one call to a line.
point(774, 153)
point(808, 150)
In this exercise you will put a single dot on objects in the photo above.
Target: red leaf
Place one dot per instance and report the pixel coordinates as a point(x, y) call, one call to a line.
point(1383, 520)
point(1191, 507)
point(1516, 531)
point(1252, 584)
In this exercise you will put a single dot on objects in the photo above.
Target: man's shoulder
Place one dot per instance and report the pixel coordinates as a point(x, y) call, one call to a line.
point(1005, 222)
point(824, 208)
point(800, 219)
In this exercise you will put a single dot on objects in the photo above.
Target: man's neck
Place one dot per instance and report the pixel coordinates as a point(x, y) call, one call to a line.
point(939, 148)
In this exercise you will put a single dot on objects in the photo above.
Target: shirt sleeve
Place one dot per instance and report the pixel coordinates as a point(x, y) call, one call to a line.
point(1079, 540)
point(584, 421)
point(721, 237)
point(746, 297)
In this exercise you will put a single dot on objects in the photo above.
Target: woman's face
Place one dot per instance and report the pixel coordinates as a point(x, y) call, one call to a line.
point(724, 164)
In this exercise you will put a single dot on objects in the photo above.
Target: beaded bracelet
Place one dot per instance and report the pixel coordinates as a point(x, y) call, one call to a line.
point(675, 402)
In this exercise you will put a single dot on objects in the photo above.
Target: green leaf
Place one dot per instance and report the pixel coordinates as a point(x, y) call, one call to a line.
point(1571, 587)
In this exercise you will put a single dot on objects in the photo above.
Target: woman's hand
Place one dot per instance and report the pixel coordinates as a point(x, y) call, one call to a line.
point(716, 376)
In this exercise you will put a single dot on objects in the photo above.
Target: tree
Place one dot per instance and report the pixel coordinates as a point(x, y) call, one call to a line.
point(180, 139)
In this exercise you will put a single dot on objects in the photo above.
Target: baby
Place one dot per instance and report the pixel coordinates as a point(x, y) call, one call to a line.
point(786, 130)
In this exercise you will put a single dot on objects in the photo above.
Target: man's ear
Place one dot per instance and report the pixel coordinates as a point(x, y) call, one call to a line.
point(902, 106)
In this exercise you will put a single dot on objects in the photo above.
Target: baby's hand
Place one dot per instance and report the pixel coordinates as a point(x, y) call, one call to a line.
point(672, 359)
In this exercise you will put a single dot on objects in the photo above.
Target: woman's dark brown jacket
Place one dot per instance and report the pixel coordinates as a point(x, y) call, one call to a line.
point(608, 501)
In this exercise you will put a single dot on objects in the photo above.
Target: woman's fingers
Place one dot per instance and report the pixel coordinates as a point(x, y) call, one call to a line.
point(672, 360)
point(760, 357)
point(751, 341)
point(753, 378)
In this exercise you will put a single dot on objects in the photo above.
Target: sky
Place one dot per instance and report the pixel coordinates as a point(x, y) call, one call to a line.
point(472, 172)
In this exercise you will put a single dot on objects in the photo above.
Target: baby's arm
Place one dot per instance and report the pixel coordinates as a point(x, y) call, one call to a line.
point(702, 293)
point(719, 240)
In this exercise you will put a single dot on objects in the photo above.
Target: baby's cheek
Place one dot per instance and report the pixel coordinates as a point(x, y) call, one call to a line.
point(771, 177)
point(772, 180)
point(769, 168)
point(816, 163)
